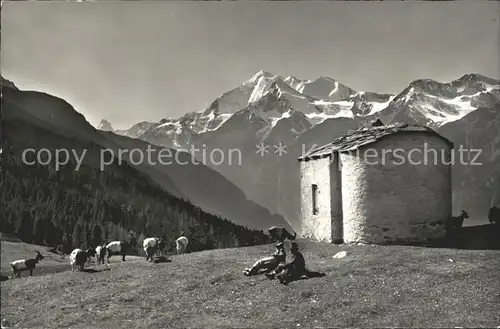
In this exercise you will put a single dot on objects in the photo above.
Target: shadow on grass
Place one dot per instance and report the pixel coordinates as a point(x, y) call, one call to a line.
point(295, 277)
point(162, 260)
point(481, 237)
point(308, 275)
point(92, 270)
point(477, 237)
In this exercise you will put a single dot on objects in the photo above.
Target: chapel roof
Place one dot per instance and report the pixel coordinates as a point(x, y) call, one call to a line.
point(356, 138)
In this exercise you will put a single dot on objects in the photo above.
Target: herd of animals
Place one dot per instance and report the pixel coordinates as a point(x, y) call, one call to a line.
point(153, 246)
point(79, 257)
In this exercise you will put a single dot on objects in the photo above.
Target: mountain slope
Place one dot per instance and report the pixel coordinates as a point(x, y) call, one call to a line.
point(7, 83)
point(476, 180)
point(49, 111)
point(433, 103)
point(201, 185)
point(137, 129)
point(205, 187)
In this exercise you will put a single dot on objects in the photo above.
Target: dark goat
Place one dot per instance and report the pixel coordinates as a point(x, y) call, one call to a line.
point(456, 222)
point(494, 215)
point(82, 257)
point(25, 264)
point(78, 257)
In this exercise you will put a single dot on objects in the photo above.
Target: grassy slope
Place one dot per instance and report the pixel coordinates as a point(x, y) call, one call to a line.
point(52, 262)
point(14, 250)
point(371, 286)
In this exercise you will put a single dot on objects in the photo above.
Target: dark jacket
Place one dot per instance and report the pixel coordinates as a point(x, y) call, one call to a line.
point(298, 261)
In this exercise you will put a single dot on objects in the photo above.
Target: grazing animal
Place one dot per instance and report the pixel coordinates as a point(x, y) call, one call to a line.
point(457, 221)
point(100, 254)
point(25, 264)
point(279, 234)
point(78, 257)
point(117, 248)
point(494, 215)
point(72, 258)
point(152, 246)
point(181, 244)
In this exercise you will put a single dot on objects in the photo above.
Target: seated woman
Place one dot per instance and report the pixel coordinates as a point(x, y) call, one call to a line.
point(267, 264)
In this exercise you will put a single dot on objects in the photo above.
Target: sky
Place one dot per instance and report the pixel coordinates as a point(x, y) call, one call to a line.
point(134, 61)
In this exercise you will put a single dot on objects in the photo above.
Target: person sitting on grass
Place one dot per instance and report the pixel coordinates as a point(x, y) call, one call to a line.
point(293, 270)
point(268, 263)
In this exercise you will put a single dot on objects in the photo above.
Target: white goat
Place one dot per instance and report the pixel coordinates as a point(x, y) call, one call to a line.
point(181, 244)
point(152, 246)
point(72, 258)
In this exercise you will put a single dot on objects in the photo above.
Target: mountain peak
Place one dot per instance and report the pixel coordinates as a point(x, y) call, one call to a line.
point(257, 76)
point(105, 125)
point(468, 84)
point(422, 83)
point(323, 78)
point(476, 77)
point(291, 78)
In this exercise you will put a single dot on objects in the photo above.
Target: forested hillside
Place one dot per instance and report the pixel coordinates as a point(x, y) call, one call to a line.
point(68, 208)
point(203, 186)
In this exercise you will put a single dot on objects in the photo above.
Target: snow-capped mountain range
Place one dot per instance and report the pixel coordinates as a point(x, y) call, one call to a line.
point(270, 99)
